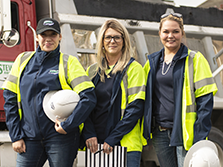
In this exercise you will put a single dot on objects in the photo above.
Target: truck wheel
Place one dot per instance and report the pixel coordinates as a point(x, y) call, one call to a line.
point(216, 136)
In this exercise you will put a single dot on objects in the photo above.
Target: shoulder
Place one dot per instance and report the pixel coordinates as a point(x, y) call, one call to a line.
point(92, 67)
point(91, 70)
point(135, 68)
point(154, 54)
point(135, 64)
point(196, 55)
point(69, 57)
point(23, 56)
point(71, 61)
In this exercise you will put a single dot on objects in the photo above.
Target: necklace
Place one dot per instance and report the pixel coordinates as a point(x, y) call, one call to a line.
point(164, 73)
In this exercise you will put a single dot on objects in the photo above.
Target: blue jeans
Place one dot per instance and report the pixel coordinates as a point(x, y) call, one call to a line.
point(168, 156)
point(133, 159)
point(59, 150)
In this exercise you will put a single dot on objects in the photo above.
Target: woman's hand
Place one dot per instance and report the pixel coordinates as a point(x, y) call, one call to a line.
point(59, 128)
point(92, 144)
point(107, 148)
point(19, 146)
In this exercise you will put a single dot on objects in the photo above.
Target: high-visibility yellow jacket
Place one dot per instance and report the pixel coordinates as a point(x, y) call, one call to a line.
point(67, 73)
point(195, 75)
point(127, 115)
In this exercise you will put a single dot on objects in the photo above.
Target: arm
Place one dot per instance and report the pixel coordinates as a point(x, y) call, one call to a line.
point(205, 88)
point(88, 130)
point(89, 135)
point(13, 121)
point(133, 113)
point(82, 111)
point(12, 115)
point(202, 125)
point(81, 84)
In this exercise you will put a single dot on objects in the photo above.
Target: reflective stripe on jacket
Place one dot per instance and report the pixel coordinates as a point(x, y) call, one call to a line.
point(132, 88)
point(198, 77)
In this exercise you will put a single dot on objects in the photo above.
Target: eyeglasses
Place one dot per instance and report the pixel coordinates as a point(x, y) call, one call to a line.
point(173, 14)
point(117, 38)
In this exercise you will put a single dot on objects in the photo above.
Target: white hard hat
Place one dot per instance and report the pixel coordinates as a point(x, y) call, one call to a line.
point(204, 154)
point(60, 104)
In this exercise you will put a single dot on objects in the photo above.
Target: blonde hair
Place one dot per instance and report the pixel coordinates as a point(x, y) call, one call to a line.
point(127, 52)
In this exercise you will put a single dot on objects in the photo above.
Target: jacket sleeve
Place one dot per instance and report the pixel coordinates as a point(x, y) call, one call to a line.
point(81, 112)
point(202, 125)
point(82, 85)
point(133, 112)
point(88, 130)
point(205, 88)
point(12, 115)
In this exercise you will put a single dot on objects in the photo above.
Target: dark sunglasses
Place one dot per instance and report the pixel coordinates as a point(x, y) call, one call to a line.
point(173, 14)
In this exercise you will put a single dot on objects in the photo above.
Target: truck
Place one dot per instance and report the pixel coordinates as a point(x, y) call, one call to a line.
point(80, 21)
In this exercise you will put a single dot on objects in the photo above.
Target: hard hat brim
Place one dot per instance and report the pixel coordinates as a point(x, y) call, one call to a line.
point(200, 144)
point(220, 154)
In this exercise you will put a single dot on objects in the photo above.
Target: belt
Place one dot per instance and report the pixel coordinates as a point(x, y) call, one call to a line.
point(164, 129)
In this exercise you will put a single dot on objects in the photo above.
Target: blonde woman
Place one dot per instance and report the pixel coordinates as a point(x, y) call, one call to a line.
point(120, 90)
point(179, 95)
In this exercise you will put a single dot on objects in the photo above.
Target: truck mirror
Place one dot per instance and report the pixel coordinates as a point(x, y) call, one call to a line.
point(10, 37)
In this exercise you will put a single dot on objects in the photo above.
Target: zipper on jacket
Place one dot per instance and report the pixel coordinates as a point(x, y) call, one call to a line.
point(38, 124)
point(35, 111)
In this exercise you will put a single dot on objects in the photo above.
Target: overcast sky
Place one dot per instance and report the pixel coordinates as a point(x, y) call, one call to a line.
point(192, 3)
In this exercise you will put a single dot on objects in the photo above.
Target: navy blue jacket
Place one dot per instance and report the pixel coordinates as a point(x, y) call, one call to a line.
point(37, 79)
point(204, 103)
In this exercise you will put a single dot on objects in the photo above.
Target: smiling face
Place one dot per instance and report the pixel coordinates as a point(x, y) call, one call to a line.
point(48, 40)
point(113, 48)
point(171, 35)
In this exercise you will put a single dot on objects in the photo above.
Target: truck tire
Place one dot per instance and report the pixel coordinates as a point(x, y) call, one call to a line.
point(216, 136)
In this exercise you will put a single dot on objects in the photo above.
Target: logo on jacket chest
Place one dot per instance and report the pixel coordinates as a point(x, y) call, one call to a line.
point(54, 72)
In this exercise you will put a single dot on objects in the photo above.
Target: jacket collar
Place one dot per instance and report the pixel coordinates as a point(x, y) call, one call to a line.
point(41, 55)
point(183, 49)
